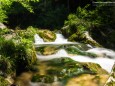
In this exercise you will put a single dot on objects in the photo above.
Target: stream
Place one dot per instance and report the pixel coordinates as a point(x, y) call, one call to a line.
point(105, 57)
point(61, 61)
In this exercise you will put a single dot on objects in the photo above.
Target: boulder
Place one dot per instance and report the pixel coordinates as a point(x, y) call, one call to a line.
point(48, 36)
point(2, 26)
point(83, 37)
point(65, 69)
point(49, 50)
point(88, 80)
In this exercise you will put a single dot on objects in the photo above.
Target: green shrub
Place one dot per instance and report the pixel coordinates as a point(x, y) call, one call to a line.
point(4, 31)
point(6, 66)
point(82, 20)
point(20, 51)
point(27, 34)
point(7, 47)
point(6, 7)
point(2, 15)
point(6, 4)
point(99, 22)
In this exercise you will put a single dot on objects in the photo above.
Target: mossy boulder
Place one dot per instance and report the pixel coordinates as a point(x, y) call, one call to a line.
point(64, 69)
point(75, 50)
point(94, 67)
point(49, 50)
point(48, 36)
point(88, 80)
point(83, 37)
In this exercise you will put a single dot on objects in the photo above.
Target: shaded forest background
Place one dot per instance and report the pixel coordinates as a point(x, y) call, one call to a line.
point(69, 16)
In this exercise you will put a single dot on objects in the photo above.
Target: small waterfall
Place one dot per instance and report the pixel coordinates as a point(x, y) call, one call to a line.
point(38, 39)
point(60, 38)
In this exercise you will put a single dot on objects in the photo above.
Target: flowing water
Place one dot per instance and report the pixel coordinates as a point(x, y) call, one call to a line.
point(105, 57)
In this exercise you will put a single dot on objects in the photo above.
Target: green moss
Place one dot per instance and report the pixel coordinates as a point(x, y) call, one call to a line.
point(3, 82)
point(20, 51)
point(27, 34)
point(63, 69)
point(6, 66)
point(48, 36)
point(4, 31)
point(41, 78)
point(94, 67)
point(77, 51)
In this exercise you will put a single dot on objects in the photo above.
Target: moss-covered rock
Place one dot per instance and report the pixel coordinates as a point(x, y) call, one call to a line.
point(63, 69)
point(48, 36)
point(88, 80)
point(94, 67)
point(49, 50)
point(75, 50)
point(83, 37)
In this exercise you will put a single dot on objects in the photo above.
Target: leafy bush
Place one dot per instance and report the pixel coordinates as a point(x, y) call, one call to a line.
point(82, 20)
point(6, 4)
point(20, 51)
point(5, 66)
point(4, 31)
point(99, 22)
point(6, 7)
point(27, 34)
point(7, 47)
point(2, 15)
